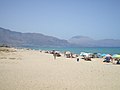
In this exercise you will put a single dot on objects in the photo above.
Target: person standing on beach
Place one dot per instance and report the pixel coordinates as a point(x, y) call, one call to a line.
point(54, 54)
point(77, 59)
point(64, 53)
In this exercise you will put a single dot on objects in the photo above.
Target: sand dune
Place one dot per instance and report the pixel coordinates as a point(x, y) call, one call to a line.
point(23, 69)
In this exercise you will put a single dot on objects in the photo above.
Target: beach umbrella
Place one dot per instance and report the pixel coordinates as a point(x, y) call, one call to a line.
point(86, 54)
point(82, 53)
point(57, 51)
point(108, 55)
point(116, 56)
point(98, 55)
point(68, 52)
point(103, 55)
point(113, 56)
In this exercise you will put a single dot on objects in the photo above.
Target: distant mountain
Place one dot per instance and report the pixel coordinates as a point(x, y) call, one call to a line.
point(108, 43)
point(13, 38)
point(84, 41)
point(80, 41)
point(29, 39)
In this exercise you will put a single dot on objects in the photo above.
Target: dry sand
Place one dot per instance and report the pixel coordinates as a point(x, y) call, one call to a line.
point(33, 70)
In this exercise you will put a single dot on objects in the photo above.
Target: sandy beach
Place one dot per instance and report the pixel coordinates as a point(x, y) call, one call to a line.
point(22, 69)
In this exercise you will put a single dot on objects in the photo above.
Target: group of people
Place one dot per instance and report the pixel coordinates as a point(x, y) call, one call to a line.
point(67, 54)
point(108, 58)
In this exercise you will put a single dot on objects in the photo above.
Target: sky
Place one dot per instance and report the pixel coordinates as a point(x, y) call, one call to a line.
point(98, 19)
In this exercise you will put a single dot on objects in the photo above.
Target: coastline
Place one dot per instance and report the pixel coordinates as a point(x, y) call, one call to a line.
point(77, 50)
point(26, 69)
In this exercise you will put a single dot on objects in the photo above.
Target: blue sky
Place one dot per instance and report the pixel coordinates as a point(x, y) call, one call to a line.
point(97, 19)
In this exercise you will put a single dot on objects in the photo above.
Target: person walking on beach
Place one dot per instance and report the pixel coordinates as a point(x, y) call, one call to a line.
point(77, 59)
point(54, 54)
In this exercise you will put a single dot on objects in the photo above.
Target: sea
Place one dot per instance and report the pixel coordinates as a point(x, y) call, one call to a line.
point(76, 50)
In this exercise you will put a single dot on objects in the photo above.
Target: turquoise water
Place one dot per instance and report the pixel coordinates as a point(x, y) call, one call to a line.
point(108, 50)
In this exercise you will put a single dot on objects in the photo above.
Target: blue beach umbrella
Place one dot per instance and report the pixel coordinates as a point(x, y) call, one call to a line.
point(103, 55)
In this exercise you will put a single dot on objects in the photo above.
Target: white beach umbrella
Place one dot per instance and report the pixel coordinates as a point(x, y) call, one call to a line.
point(108, 55)
point(68, 52)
